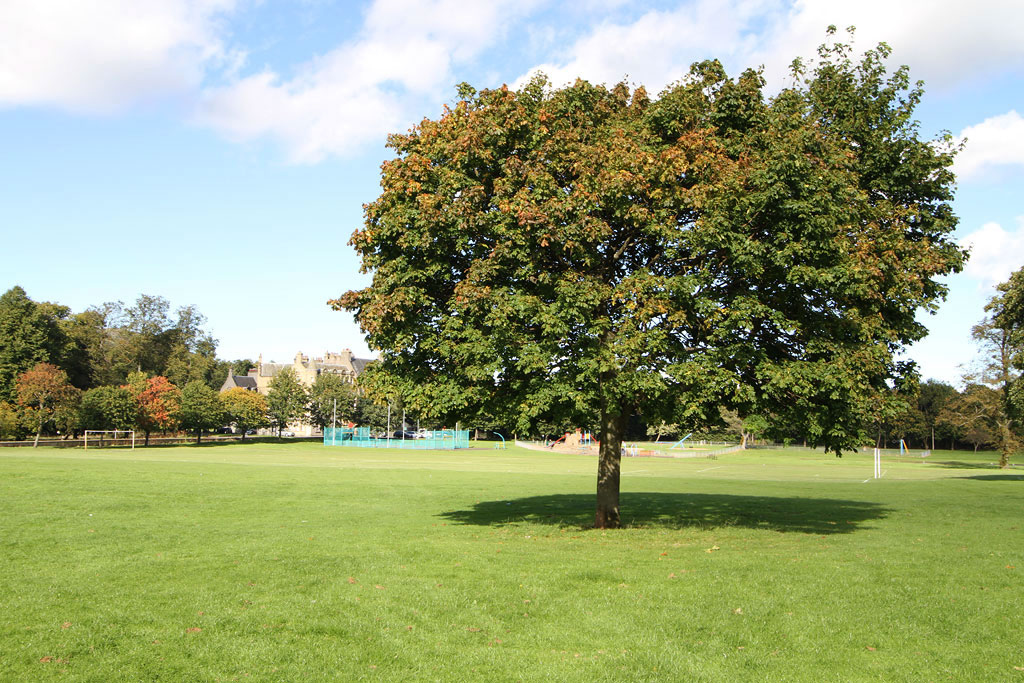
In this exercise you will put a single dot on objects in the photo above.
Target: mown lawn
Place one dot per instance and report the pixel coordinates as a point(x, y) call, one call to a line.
point(299, 562)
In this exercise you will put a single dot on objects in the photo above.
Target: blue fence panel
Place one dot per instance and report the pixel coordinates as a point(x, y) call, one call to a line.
point(360, 437)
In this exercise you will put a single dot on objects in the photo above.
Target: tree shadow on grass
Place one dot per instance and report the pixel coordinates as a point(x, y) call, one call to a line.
point(996, 477)
point(681, 510)
point(964, 464)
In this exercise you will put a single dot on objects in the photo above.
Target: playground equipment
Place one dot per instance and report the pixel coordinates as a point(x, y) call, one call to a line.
point(577, 439)
point(679, 444)
point(438, 439)
point(499, 446)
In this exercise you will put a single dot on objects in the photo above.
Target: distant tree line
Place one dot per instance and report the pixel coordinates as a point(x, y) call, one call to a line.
point(146, 368)
point(112, 366)
point(103, 344)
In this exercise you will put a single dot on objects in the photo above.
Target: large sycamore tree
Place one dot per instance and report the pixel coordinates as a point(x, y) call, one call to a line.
point(584, 254)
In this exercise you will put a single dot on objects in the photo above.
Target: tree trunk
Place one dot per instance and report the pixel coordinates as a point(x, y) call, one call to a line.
point(609, 459)
point(199, 436)
point(39, 431)
point(146, 443)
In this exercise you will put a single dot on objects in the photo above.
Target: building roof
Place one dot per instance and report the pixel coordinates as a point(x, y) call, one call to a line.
point(244, 381)
point(360, 364)
point(239, 381)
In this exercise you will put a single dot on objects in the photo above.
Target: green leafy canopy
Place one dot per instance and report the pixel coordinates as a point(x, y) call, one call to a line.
point(585, 253)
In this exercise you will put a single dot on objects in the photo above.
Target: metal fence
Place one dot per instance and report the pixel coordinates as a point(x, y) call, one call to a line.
point(360, 437)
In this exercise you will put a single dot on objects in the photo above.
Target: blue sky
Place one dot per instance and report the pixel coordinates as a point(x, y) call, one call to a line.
point(219, 152)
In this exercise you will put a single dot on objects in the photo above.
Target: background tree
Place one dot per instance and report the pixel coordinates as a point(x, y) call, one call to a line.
point(144, 346)
point(43, 390)
point(201, 408)
point(29, 334)
point(754, 427)
point(241, 366)
point(246, 409)
point(972, 411)
point(192, 353)
point(374, 415)
point(1001, 338)
point(326, 390)
point(86, 344)
point(12, 422)
point(932, 398)
point(286, 399)
point(661, 428)
point(107, 408)
point(157, 403)
point(551, 254)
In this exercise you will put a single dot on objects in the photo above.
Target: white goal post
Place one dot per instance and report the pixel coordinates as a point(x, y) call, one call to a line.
point(114, 438)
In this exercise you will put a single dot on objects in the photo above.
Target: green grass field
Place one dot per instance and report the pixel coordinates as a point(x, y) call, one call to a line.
point(299, 562)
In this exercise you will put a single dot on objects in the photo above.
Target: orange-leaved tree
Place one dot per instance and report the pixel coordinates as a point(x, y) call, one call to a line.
point(157, 402)
point(44, 389)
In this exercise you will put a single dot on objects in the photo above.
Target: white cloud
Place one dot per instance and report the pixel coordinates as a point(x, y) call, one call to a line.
point(103, 55)
point(657, 48)
point(996, 141)
point(995, 253)
point(944, 41)
point(363, 89)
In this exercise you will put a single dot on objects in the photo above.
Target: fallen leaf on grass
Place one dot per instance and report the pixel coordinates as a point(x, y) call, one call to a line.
point(1010, 566)
point(712, 549)
point(66, 624)
point(473, 629)
point(48, 658)
point(194, 629)
point(379, 587)
point(870, 649)
point(738, 610)
point(1019, 668)
point(351, 579)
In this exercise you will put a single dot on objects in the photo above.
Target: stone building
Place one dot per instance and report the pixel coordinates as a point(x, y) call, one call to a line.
point(306, 371)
